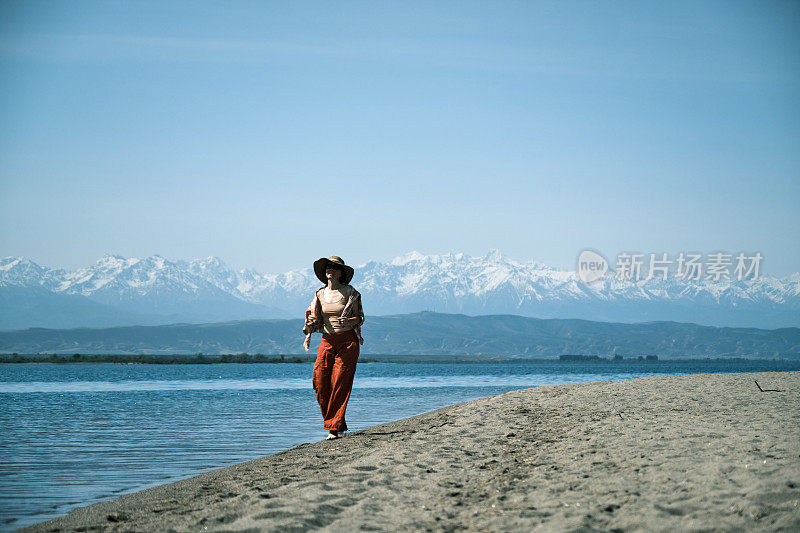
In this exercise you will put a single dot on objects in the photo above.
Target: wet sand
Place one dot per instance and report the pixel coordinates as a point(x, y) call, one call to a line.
point(697, 452)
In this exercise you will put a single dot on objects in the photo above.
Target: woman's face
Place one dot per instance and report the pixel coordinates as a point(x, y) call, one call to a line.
point(332, 272)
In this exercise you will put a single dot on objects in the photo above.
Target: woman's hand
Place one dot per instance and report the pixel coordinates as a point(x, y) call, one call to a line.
point(310, 320)
point(348, 321)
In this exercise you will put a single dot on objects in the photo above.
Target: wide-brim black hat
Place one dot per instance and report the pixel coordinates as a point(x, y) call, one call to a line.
point(322, 263)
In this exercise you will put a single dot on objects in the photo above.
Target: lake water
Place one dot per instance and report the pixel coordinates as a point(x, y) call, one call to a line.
point(81, 433)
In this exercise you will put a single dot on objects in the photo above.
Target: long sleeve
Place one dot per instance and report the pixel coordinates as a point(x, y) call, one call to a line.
point(313, 320)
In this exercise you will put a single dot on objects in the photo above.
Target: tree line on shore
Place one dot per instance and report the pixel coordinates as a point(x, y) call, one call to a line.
point(240, 358)
point(154, 359)
point(616, 358)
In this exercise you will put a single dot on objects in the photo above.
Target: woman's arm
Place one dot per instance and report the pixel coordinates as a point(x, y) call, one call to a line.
point(359, 314)
point(313, 316)
point(355, 314)
point(313, 321)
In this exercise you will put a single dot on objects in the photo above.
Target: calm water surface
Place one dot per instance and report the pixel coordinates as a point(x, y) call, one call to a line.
point(77, 434)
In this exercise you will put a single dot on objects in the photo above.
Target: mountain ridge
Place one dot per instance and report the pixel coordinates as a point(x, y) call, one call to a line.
point(155, 290)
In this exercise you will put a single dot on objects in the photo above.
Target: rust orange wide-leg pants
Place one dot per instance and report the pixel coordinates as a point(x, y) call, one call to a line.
point(334, 370)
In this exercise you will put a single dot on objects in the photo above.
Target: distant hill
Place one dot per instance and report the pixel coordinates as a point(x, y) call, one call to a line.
point(424, 333)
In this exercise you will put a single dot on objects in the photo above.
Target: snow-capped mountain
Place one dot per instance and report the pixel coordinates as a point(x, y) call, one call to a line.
point(155, 290)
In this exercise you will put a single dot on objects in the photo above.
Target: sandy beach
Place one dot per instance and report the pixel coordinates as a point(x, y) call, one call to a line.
point(704, 452)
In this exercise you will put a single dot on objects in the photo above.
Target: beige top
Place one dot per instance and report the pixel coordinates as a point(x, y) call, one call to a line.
point(332, 302)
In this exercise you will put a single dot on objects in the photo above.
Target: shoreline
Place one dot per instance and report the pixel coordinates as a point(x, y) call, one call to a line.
point(693, 451)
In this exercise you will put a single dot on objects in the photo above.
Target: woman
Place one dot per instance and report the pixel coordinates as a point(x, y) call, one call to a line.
point(336, 311)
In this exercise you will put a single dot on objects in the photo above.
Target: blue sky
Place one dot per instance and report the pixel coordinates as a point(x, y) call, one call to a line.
point(270, 134)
